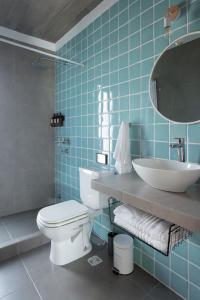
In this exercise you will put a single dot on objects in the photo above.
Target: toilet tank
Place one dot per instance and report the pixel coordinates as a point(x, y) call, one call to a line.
point(90, 197)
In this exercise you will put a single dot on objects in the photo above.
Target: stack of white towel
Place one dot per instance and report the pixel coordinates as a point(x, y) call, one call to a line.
point(152, 230)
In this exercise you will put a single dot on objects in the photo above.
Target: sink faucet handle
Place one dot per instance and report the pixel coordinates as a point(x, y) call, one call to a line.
point(180, 140)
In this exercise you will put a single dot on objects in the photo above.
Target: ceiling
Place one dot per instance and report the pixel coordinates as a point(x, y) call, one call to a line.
point(45, 19)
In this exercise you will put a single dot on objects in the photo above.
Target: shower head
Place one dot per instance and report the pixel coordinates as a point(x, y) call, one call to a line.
point(172, 14)
point(41, 62)
point(37, 64)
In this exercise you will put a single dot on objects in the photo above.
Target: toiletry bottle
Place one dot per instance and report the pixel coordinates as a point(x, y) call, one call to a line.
point(54, 119)
point(59, 118)
point(51, 121)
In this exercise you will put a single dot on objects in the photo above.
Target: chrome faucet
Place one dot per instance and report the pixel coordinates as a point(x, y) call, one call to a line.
point(180, 146)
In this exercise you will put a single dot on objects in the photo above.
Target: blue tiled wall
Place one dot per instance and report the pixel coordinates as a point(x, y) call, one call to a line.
point(119, 49)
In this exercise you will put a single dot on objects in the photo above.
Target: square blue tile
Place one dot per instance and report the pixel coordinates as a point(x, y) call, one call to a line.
point(165, 260)
point(162, 150)
point(162, 273)
point(118, 50)
point(179, 265)
point(179, 285)
point(147, 263)
point(194, 273)
point(147, 18)
point(194, 153)
point(194, 133)
point(178, 130)
point(146, 4)
point(134, 9)
point(194, 254)
point(147, 50)
point(194, 292)
point(162, 132)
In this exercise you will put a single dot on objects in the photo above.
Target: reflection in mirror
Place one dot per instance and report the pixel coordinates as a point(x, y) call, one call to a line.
point(175, 81)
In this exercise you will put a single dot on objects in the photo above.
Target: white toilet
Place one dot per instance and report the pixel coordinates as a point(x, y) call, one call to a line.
point(69, 224)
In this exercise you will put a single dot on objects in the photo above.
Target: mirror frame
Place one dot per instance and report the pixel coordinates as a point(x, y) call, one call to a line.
point(188, 35)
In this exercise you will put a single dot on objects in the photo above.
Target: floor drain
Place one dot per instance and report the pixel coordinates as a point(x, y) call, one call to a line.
point(94, 260)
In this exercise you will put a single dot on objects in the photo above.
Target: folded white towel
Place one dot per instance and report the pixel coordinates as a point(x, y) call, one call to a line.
point(162, 246)
point(143, 222)
point(122, 153)
point(151, 229)
point(129, 213)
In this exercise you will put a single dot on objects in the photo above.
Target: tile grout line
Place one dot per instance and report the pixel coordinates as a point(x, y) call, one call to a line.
point(120, 26)
point(5, 227)
point(129, 72)
point(136, 32)
point(140, 84)
point(10, 293)
point(61, 102)
point(154, 60)
point(173, 271)
point(31, 279)
point(162, 282)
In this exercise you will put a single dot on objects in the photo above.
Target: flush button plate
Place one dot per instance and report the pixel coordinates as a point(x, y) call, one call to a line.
point(102, 158)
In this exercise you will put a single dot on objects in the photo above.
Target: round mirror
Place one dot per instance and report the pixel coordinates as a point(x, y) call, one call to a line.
point(175, 80)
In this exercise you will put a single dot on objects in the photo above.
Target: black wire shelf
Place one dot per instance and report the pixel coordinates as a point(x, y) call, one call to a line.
point(176, 234)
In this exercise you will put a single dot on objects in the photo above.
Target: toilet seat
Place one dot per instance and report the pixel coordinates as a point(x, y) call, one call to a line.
point(62, 213)
point(56, 225)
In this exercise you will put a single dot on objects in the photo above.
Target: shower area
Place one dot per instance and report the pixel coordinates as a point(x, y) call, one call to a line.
point(27, 96)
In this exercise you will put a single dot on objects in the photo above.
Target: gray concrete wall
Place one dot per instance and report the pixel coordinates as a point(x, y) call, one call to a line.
point(26, 139)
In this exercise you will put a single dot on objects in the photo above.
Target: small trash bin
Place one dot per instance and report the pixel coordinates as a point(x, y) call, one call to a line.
point(123, 254)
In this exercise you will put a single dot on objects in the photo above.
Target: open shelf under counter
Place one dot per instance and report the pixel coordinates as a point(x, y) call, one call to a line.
point(182, 209)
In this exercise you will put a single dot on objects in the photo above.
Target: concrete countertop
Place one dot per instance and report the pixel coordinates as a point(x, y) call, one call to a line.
point(180, 208)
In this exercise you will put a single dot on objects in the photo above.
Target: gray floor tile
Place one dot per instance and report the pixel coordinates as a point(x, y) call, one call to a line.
point(79, 280)
point(28, 292)
point(162, 292)
point(21, 224)
point(4, 237)
point(12, 276)
point(147, 297)
point(38, 263)
point(143, 279)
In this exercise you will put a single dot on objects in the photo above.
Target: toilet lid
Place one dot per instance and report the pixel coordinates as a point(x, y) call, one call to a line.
point(62, 211)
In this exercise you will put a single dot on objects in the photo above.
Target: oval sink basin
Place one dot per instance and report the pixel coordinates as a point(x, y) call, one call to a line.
point(167, 175)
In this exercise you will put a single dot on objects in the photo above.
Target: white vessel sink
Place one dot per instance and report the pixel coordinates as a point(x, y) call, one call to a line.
point(167, 175)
